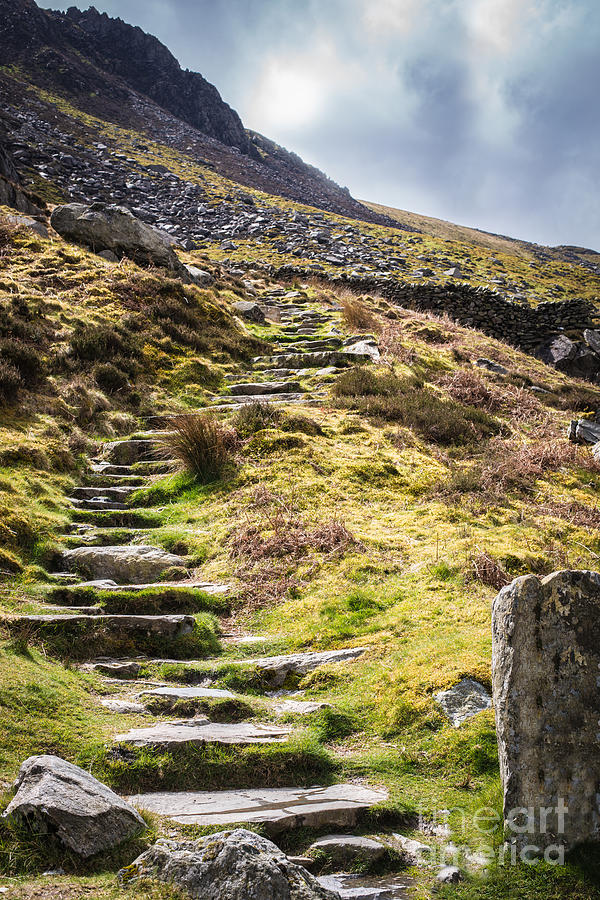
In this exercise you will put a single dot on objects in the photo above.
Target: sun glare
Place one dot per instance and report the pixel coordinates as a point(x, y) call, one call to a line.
point(287, 97)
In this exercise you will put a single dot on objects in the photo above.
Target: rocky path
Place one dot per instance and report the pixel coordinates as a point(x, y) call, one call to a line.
point(117, 582)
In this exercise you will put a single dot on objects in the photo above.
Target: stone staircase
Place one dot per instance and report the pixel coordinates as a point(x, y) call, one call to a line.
point(110, 541)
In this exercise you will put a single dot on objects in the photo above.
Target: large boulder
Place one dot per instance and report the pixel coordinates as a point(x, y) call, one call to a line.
point(576, 358)
point(134, 563)
point(110, 227)
point(237, 865)
point(55, 797)
point(546, 663)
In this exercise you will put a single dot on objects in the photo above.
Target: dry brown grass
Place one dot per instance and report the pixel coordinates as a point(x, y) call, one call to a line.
point(356, 314)
point(274, 539)
point(469, 387)
point(486, 569)
point(203, 444)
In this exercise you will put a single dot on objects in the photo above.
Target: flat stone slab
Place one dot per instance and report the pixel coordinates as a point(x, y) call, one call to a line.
point(343, 849)
point(266, 387)
point(298, 707)
point(137, 563)
point(188, 693)
point(464, 700)
point(278, 666)
point(278, 808)
point(108, 585)
point(170, 735)
point(361, 887)
point(169, 626)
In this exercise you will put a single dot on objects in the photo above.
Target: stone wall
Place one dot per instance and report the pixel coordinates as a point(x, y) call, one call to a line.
point(516, 323)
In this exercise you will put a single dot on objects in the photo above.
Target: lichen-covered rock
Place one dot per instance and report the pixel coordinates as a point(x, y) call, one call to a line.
point(464, 700)
point(55, 797)
point(236, 865)
point(110, 227)
point(546, 664)
point(124, 563)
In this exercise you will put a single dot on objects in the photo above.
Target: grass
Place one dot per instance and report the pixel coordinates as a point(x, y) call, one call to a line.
point(387, 517)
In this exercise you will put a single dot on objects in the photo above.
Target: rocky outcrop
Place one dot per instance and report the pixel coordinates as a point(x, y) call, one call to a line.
point(114, 228)
point(55, 797)
point(546, 658)
point(233, 864)
point(150, 68)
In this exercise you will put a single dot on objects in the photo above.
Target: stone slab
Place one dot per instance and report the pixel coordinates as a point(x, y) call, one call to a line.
point(360, 887)
point(189, 693)
point(171, 735)
point(277, 808)
point(464, 700)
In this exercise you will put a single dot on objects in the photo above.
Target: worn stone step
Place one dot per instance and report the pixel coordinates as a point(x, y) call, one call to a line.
point(124, 453)
point(245, 400)
point(275, 669)
point(314, 360)
point(135, 470)
point(173, 735)
point(135, 563)
point(277, 809)
point(103, 503)
point(98, 480)
point(168, 626)
point(368, 887)
point(266, 387)
point(106, 585)
point(117, 519)
point(110, 492)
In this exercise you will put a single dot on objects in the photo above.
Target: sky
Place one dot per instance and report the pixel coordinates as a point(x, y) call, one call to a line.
point(482, 112)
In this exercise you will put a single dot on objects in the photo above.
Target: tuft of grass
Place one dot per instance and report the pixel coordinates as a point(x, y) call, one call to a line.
point(254, 417)
point(203, 444)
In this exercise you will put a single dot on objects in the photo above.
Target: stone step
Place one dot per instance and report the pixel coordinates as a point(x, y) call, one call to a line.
point(108, 586)
point(124, 453)
point(107, 519)
point(314, 360)
point(135, 563)
point(244, 400)
point(168, 626)
point(266, 387)
point(136, 470)
point(111, 492)
point(275, 669)
point(368, 887)
point(104, 503)
point(277, 809)
point(185, 733)
point(98, 480)
point(272, 399)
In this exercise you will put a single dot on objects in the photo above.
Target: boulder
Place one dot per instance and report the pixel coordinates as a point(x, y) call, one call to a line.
point(124, 563)
point(546, 659)
point(199, 276)
point(592, 339)
point(574, 358)
point(249, 310)
point(110, 227)
point(55, 797)
point(584, 431)
point(464, 700)
point(236, 864)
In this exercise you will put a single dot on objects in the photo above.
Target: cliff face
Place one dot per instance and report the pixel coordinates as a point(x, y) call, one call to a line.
point(75, 48)
point(150, 68)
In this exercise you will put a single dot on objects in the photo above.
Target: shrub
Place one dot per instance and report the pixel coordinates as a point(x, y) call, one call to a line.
point(10, 382)
point(202, 443)
point(254, 417)
point(102, 342)
point(23, 357)
point(487, 569)
point(110, 378)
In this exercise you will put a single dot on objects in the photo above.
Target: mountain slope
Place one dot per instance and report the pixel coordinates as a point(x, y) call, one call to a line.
point(117, 72)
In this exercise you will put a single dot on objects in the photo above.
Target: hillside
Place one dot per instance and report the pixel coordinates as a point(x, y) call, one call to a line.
point(270, 596)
